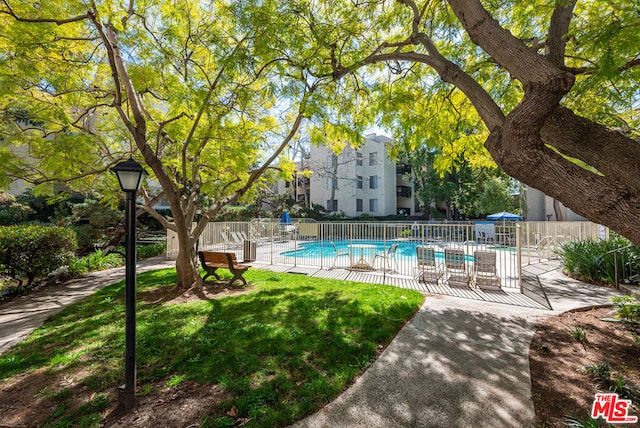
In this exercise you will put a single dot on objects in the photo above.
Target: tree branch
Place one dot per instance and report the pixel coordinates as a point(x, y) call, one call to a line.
point(558, 29)
point(9, 11)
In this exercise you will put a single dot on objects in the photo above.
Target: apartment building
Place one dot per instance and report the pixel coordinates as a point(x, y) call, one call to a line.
point(541, 207)
point(360, 181)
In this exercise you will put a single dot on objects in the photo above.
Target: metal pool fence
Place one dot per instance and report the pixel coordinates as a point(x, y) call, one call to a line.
point(390, 249)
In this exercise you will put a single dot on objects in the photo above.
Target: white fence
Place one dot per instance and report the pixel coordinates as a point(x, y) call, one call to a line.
point(390, 249)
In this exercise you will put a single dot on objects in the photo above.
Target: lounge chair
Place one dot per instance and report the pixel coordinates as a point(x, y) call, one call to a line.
point(237, 238)
point(428, 269)
point(455, 268)
point(338, 254)
point(485, 272)
point(388, 258)
point(288, 231)
point(228, 243)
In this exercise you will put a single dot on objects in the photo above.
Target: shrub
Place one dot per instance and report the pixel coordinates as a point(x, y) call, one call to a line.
point(11, 210)
point(34, 251)
point(627, 308)
point(594, 261)
point(152, 250)
point(94, 262)
point(583, 258)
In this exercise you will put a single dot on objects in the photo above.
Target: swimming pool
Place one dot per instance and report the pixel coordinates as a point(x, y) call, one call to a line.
point(406, 249)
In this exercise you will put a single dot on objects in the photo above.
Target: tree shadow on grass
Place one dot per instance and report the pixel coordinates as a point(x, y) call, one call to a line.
point(278, 352)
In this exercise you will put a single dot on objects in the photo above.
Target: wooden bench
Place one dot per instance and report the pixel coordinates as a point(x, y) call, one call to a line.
point(213, 260)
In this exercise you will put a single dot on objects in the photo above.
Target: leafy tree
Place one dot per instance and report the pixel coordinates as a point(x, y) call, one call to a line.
point(202, 90)
point(548, 87)
point(12, 211)
point(497, 194)
point(190, 88)
point(462, 190)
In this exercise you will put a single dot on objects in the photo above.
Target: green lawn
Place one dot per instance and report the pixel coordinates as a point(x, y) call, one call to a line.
point(283, 350)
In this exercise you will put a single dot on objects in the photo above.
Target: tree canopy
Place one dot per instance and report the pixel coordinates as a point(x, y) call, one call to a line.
point(548, 87)
point(209, 93)
point(204, 93)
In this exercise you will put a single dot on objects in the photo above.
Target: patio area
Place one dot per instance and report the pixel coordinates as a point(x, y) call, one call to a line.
point(533, 295)
point(387, 253)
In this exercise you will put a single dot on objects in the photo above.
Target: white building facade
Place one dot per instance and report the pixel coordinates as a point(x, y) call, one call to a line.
point(541, 207)
point(360, 181)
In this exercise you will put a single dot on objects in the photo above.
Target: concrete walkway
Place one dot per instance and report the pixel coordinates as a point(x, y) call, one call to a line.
point(21, 316)
point(458, 362)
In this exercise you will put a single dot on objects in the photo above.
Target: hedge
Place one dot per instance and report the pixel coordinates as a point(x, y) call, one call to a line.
point(34, 251)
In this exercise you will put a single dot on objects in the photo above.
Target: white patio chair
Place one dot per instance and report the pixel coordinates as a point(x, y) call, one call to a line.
point(338, 254)
point(428, 269)
point(388, 258)
point(485, 272)
point(455, 268)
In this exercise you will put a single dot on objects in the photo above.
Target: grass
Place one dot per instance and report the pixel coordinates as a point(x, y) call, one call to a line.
point(579, 334)
point(283, 350)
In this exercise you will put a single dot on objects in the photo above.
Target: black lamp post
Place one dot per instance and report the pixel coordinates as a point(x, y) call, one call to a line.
point(130, 175)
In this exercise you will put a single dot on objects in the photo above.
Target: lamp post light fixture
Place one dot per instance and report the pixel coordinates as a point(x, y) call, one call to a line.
point(130, 175)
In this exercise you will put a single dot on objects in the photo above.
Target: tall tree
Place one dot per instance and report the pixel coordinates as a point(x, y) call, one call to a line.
point(552, 85)
point(190, 87)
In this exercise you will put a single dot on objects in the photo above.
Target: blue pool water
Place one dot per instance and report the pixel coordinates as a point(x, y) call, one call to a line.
point(406, 249)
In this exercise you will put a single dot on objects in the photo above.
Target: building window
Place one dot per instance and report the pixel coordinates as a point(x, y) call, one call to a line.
point(373, 158)
point(359, 205)
point(332, 205)
point(359, 182)
point(359, 158)
point(373, 182)
point(403, 191)
point(373, 205)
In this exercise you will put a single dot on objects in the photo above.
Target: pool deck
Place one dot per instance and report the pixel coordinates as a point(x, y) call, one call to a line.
point(532, 296)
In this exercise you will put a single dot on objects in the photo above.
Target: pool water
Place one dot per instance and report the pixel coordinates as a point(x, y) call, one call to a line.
point(406, 249)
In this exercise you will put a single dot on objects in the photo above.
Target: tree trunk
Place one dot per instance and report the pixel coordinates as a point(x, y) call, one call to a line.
point(535, 142)
point(187, 262)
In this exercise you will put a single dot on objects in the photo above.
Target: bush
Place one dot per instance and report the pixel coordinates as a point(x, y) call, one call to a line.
point(94, 262)
point(627, 308)
point(593, 260)
point(12, 211)
point(34, 251)
point(151, 250)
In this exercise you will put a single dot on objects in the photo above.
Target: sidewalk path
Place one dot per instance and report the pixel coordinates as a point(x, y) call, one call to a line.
point(457, 363)
point(22, 315)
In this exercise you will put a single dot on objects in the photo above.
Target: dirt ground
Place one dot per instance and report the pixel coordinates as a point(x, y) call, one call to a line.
point(562, 387)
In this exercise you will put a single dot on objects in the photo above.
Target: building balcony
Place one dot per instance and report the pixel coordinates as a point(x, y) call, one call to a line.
point(403, 191)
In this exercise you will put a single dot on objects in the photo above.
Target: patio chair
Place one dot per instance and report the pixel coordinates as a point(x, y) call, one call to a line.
point(338, 254)
point(237, 238)
point(428, 269)
point(227, 242)
point(485, 272)
point(455, 268)
point(287, 231)
point(388, 258)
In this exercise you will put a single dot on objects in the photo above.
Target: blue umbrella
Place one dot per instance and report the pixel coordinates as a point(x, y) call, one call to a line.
point(504, 216)
point(285, 219)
